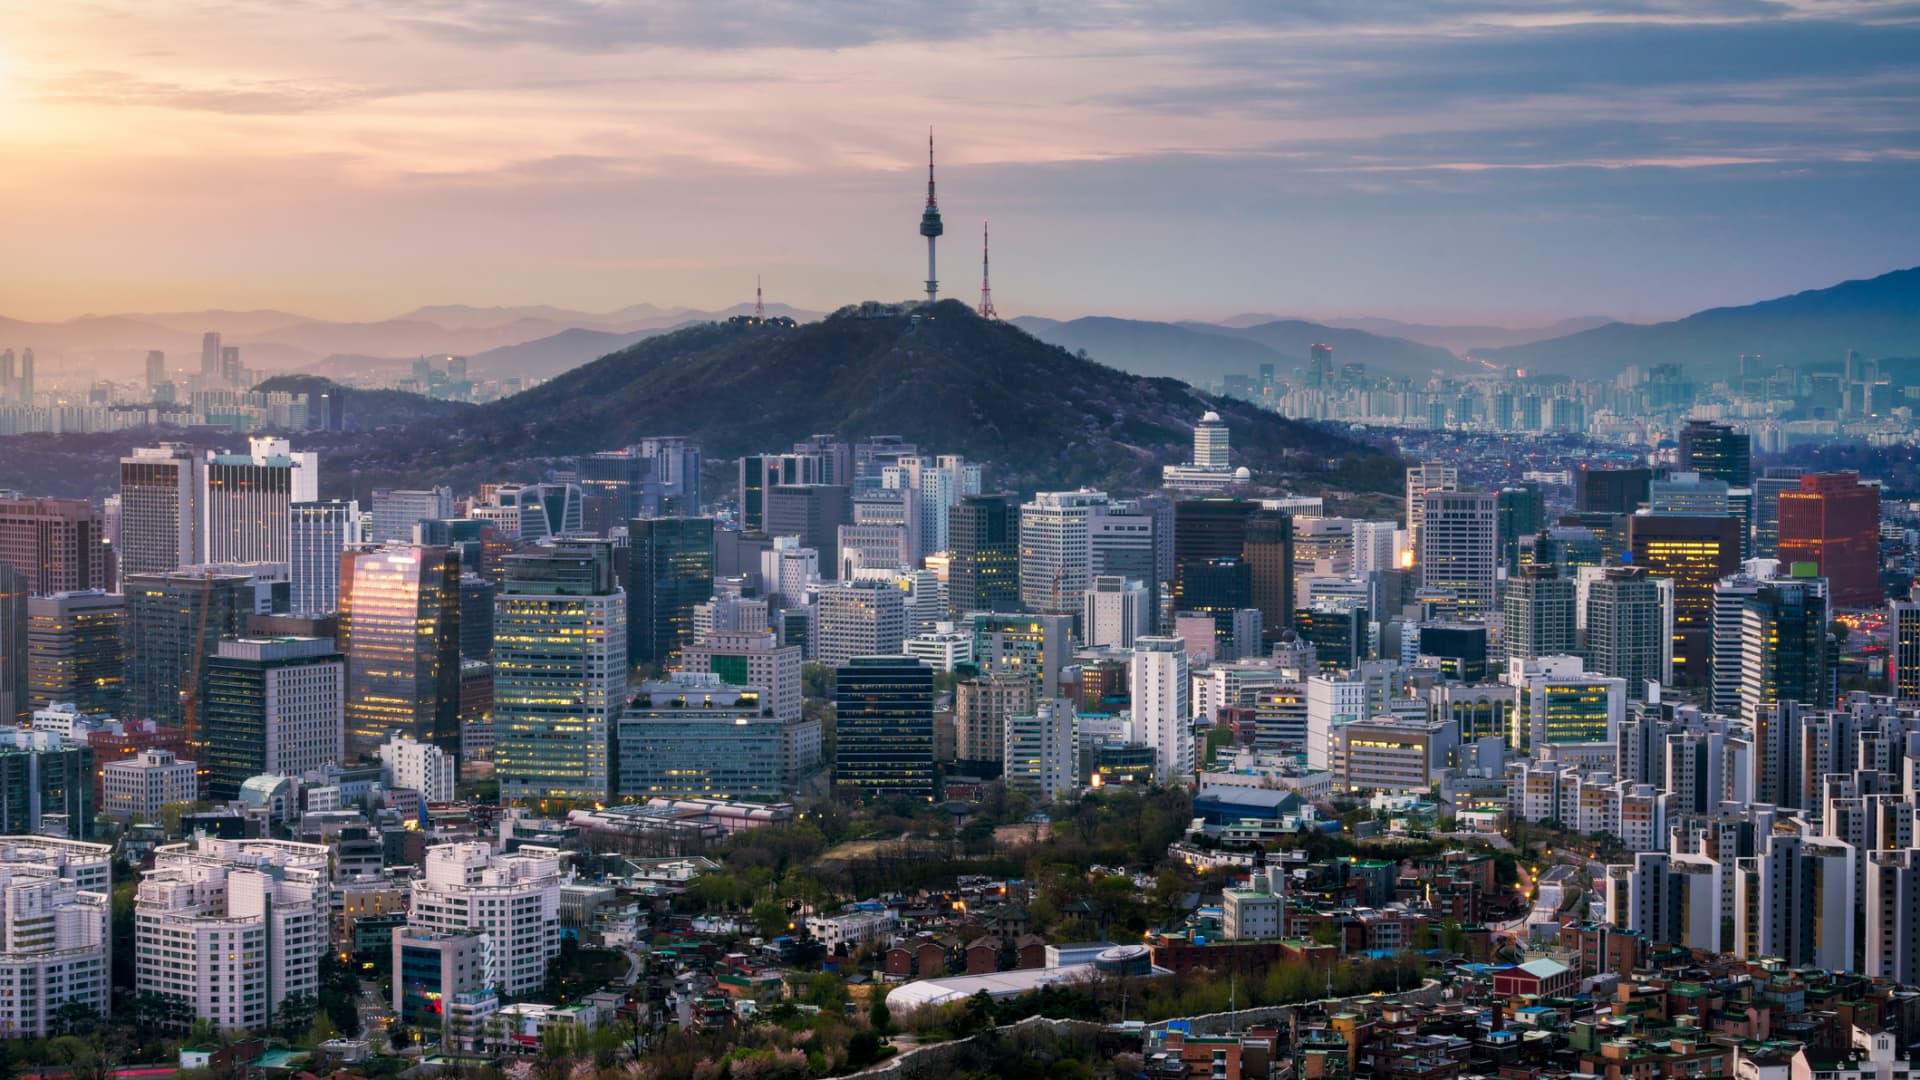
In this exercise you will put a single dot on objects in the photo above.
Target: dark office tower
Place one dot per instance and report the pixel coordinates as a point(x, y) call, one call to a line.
point(1216, 587)
point(1903, 653)
point(761, 473)
point(814, 513)
point(1205, 529)
point(476, 617)
point(884, 728)
point(1320, 359)
point(1269, 555)
point(559, 674)
point(984, 571)
point(37, 785)
point(1610, 491)
point(75, 651)
point(15, 691)
point(1696, 552)
point(156, 369)
point(1717, 452)
point(274, 705)
point(174, 625)
point(1833, 522)
point(160, 506)
point(210, 353)
point(1624, 625)
point(1520, 511)
point(1767, 489)
point(1461, 649)
point(836, 458)
point(669, 573)
point(400, 631)
point(617, 475)
point(1783, 647)
point(1540, 614)
point(58, 543)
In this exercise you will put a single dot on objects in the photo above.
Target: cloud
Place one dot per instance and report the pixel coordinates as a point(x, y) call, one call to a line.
point(268, 98)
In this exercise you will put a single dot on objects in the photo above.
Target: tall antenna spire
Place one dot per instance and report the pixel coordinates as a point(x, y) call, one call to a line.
point(759, 309)
point(930, 226)
point(986, 282)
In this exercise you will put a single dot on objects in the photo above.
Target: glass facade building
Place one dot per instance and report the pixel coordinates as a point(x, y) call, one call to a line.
point(884, 710)
point(74, 650)
point(559, 674)
point(669, 573)
point(400, 631)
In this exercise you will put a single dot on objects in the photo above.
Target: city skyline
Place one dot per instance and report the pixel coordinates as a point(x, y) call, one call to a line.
point(1483, 163)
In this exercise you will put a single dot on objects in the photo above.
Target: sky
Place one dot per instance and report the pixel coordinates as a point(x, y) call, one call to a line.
point(1513, 161)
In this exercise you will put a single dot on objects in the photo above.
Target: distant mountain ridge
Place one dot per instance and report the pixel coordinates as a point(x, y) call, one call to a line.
point(1203, 352)
point(941, 377)
point(1878, 317)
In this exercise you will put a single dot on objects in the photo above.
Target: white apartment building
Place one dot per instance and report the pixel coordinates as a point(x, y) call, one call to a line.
point(232, 928)
point(422, 767)
point(1252, 914)
point(514, 899)
point(54, 931)
point(1039, 751)
point(852, 930)
point(1161, 712)
point(1331, 702)
point(141, 785)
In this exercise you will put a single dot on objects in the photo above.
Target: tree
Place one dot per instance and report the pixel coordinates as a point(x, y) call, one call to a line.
point(1840, 631)
point(295, 1015)
point(770, 918)
point(879, 1017)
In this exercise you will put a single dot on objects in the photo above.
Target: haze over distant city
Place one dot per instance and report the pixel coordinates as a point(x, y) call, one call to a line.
point(1473, 161)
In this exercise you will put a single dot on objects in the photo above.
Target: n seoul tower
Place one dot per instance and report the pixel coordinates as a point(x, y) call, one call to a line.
point(930, 226)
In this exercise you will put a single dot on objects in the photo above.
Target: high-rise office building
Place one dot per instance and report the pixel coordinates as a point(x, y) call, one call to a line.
point(233, 928)
point(1055, 550)
point(476, 616)
point(396, 511)
point(1695, 552)
point(884, 727)
point(1038, 758)
point(400, 631)
point(273, 705)
point(75, 650)
point(1218, 588)
point(59, 544)
point(761, 473)
point(1610, 491)
point(1521, 511)
point(1562, 704)
point(417, 766)
point(1718, 452)
point(1833, 521)
point(1626, 628)
point(787, 571)
point(981, 706)
point(1459, 545)
point(1783, 646)
point(210, 353)
point(1117, 612)
point(1421, 479)
point(54, 932)
point(156, 369)
point(695, 736)
point(559, 674)
point(249, 500)
point(1036, 645)
point(1269, 556)
point(1540, 614)
point(669, 573)
point(318, 533)
point(174, 623)
point(984, 538)
point(1157, 683)
point(813, 513)
point(46, 785)
point(752, 658)
point(160, 515)
point(1133, 538)
point(1766, 506)
point(1903, 652)
point(1728, 624)
point(860, 618)
point(16, 693)
point(513, 900)
point(1689, 493)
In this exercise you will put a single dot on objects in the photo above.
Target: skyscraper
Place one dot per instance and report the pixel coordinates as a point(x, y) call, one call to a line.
point(1117, 612)
point(1903, 660)
point(669, 573)
point(1422, 478)
point(318, 534)
point(1695, 552)
point(15, 690)
point(1610, 491)
point(160, 514)
point(210, 353)
point(1458, 546)
point(1055, 553)
point(59, 544)
point(1625, 625)
point(400, 631)
point(1833, 522)
point(1718, 452)
point(559, 674)
point(813, 513)
point(396, 511)
point(1540, 615)
point(884, 725)
point(174, 624)
point(1783, 646)
point(273, 705)
point(860, 618)
point(75, 650)
point(249, 499)
point(1157, 684)
point(1269, 557)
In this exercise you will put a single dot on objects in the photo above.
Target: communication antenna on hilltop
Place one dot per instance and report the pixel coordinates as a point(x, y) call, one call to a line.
point(986, 282)
point(759, 309)
point(930, 226)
